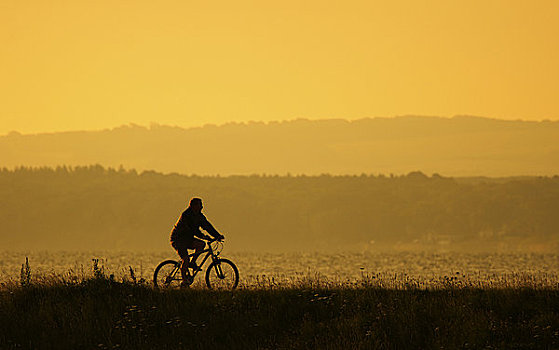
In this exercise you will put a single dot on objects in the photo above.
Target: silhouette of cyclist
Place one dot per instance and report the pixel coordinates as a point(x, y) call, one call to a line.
point(185, 231)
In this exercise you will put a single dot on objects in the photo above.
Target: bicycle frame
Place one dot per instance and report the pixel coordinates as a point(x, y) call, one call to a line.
point(209, 252)
point(220, 273)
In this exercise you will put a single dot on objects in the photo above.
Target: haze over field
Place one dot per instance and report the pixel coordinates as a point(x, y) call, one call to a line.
point(460, 146)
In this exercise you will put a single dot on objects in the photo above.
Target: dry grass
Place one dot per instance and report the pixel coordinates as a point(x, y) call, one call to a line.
point(377, 311)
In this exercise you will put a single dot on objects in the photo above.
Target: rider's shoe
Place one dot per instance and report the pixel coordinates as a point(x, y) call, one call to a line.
point(187, 282)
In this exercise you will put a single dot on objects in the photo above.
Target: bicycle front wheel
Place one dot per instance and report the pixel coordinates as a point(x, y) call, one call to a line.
point(167, 275)
point(222, 274)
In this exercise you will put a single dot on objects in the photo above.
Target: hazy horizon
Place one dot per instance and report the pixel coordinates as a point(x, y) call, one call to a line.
point(152, 124)
point(459, 146)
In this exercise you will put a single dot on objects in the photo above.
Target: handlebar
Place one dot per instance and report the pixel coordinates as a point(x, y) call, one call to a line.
point(213, 239)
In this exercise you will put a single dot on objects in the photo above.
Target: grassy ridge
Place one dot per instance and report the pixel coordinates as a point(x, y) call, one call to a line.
point(98, 313)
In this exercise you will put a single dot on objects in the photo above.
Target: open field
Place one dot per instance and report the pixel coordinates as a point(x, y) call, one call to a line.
point(361, 300)
point(98, 313)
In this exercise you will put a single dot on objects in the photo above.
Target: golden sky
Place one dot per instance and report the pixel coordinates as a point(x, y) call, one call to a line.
point(67, 65)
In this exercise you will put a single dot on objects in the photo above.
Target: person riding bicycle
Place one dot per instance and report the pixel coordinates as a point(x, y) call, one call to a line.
point(184, 233)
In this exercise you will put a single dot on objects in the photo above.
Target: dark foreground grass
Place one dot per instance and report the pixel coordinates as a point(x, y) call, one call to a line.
point(98, 313)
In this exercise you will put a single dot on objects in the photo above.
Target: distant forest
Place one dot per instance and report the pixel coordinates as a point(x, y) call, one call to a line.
point(93, 207)
point(459, 146)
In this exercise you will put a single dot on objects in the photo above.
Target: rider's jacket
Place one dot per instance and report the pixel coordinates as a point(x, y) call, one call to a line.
point(189, 225)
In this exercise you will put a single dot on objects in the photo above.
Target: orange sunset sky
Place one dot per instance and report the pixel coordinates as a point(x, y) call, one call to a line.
point(67, 65)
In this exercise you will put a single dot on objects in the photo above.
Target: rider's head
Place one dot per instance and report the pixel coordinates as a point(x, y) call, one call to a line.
point(196, 204)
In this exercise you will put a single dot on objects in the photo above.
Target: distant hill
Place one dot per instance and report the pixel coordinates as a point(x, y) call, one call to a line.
point(459, 146)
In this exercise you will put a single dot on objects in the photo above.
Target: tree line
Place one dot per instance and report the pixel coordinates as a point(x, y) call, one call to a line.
point(93, 207)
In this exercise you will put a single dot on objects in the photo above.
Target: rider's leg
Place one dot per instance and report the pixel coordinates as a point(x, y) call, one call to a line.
point(184, 269)
point(198, 246)
point(183, 253)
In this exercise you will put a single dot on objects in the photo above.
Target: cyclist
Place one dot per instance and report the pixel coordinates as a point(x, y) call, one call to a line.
point(185, 231)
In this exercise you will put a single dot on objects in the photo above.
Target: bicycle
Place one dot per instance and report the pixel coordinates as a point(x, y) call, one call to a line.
point(221, 274)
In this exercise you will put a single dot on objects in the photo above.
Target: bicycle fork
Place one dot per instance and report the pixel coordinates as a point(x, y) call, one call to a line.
point(218, 269)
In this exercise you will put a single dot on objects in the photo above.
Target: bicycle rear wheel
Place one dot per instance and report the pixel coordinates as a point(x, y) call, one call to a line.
point(222, 274)
point(167, 275)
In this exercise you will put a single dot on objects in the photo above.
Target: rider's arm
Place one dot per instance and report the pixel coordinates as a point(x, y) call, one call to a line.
point(200, 235)
point(205, 224)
